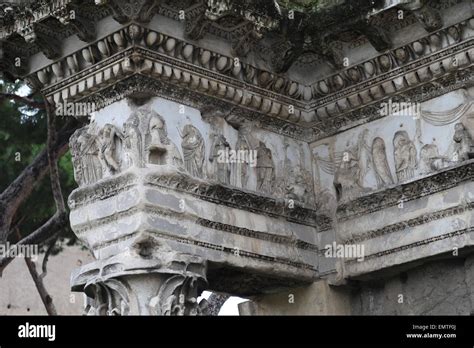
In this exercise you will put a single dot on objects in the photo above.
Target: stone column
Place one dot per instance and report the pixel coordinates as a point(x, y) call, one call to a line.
point(132, 283)
point(117, 214)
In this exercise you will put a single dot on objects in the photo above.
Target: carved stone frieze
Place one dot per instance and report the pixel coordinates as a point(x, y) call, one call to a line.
point(391, 196)
point(143, 140)
point(357, 168)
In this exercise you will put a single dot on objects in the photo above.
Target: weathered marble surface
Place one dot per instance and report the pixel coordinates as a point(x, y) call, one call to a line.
point(407, 144)
point(152, 193)
point(437, 287)
point(334, 162)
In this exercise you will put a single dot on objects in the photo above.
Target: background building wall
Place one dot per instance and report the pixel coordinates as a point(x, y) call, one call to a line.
point(19, 295)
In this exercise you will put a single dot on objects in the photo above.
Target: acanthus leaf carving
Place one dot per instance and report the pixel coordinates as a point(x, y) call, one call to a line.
point(178, 296)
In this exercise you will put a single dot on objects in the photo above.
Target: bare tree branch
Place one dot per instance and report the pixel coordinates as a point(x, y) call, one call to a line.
point(45, 297)
point(24, 100)
point(21, 188)
point(44, 265)
point(47, 300)
point(46, 231)
point(53, 159)
point(17, 192)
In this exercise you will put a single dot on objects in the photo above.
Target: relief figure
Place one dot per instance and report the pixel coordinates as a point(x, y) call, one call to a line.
point(133, 142)
point(346, 177)
point(242, 170)
point(430, 159)
point(383, 174)
point(192, 145)
point(85, 151)
point(109, 134)
point(463, 143)
point(405, 156)
point(219, 147)
point(265, 169)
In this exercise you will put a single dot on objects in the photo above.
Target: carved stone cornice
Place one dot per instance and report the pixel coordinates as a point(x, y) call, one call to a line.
point(304, 112)
point(387, 68)
point(305, 28)
point(142, 85)
point(125, 11)
point(22, 17)
point(392, 196)
point(433, 64)
point(42, 36)
point(371, 112)
point(54, 19)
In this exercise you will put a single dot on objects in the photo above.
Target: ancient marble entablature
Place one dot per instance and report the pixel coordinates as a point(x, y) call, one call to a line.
point(287, 103)
point(230, 142)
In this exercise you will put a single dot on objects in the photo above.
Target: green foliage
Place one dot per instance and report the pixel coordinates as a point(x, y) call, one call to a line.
point(23, 134)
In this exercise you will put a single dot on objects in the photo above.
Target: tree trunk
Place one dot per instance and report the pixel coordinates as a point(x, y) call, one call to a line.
point(21, 188)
